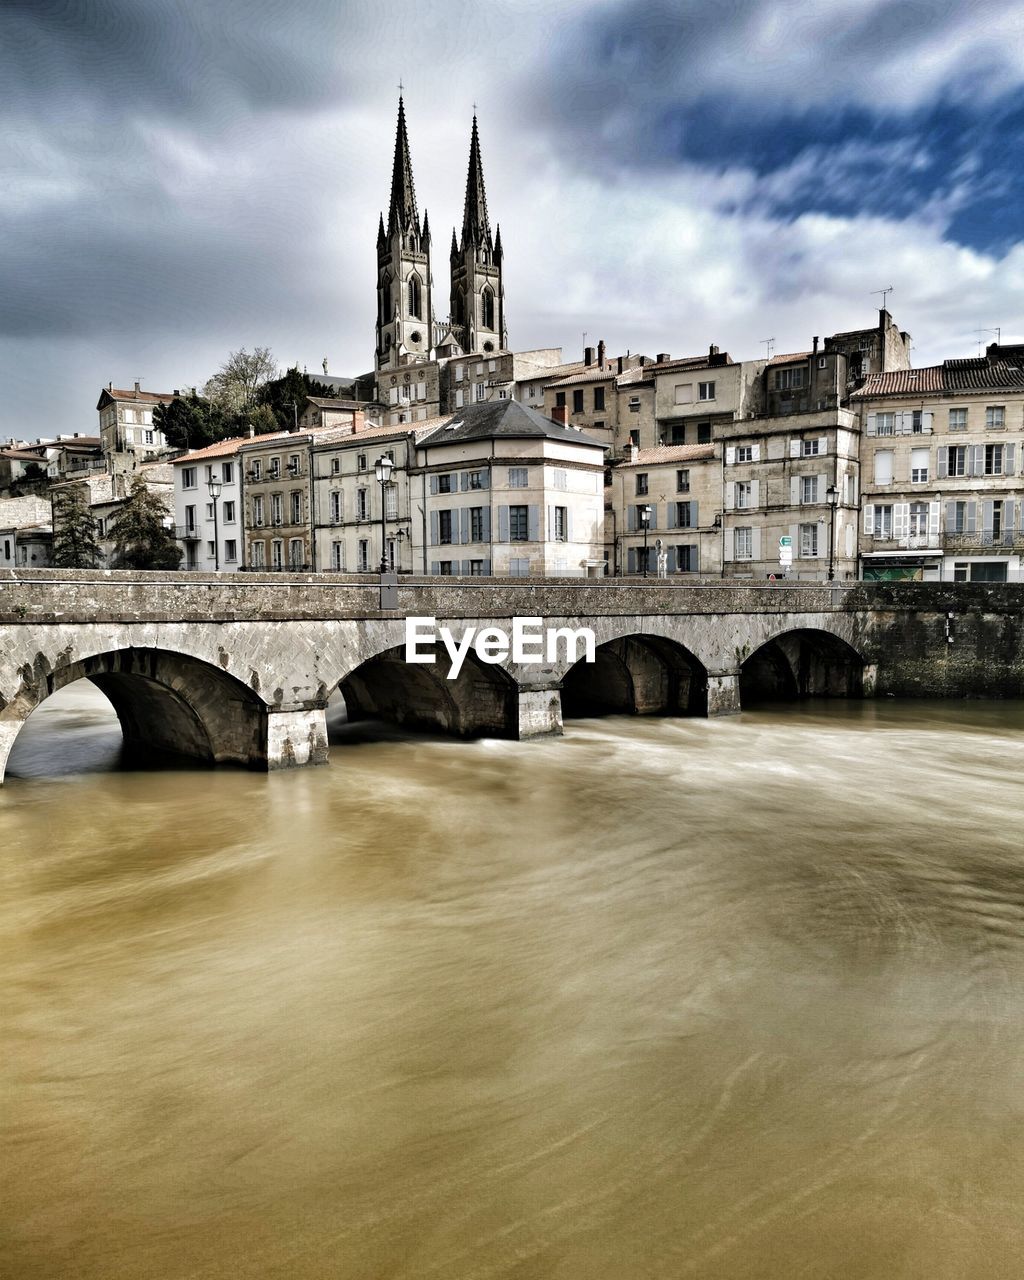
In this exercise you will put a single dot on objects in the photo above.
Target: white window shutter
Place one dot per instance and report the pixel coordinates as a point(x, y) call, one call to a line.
point(822, 486)
point(730, 495)
point(755, 542)
point(926, 420)
point(872, 428)
point(755, 453)
point(1008, 460)
point(458, 397)
point(901, 519)
point(794, 448)
point(755, 487)
point(933, 519)
point(730, 455)
point(869, 518)
point(823, 444)
point(794, 491)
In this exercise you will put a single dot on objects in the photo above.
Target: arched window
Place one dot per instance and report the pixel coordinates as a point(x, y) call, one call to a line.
point(415, 298)
point(459, 309)
point(487, 309)
point(385, 298)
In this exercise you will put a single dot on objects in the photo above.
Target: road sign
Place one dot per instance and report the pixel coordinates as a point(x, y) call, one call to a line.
point(785, 540)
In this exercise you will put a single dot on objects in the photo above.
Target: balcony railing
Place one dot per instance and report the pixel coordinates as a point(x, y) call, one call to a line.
point(186, 533)
point(985, 540)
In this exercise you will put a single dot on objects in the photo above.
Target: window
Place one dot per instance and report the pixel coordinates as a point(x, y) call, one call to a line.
point(257, 510)
point(518, 568)
point(559, 399)
point(445, 568)
point(406, 391)
point(995, 417)
point(634, 404)
point(276, 509)
point(275, 468)
point(444, 484)
point(480, 391)
point(476, 479)
point(560, 533)
point(883, 466)
point(518, 524)
point(686, 558)
point(390, 502)
point(810, 448)
point(744, 493)
point(209, 511)
point(363, 555)
point(559, 479)
point(296, 512)
point(743, 544)
point(361, 462)
point(188, 477)
point(809, 539)
point(683, 481)
point(634, 438)
point(703, 432)
point(993, 459)
point(918, 519)
point(337, 556)
point(362, 504)
point(294, 464)
point(705, 390)
point(683, 515)
point(809, 489)
point(190, 520)
point(577, 400)
point(476, 568)
point(229, 513)
point(684, 393)
point(919, 466)
point(599, 399)
point(277, 554)
point(788, 379)
point(335, 466)
point(641, 483)
point(257, 469)
point(958, 419)
point(296, 555)
point(460, 372)
point(917, 421)
point(258, 555)
point(957, 460)
point(885, 424)
point(444, 526)
point(517, 477)
point(227, 472)
point(956, 517)
point(147, 437)
point(476, 524)
point(744, 453)
point(882, 527)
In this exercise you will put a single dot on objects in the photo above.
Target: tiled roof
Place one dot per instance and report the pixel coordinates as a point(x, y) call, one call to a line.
point(303, 434)
point(23, 455)
point(793, 355)
point(634, 377)
point(324, 402)
point(588, 373)
point(147, 397)
point(547, 372)
point(343, 435)
point(506, 419)
point(951, 376)
point(220, 448)
point(670, 453)
point(692, 362)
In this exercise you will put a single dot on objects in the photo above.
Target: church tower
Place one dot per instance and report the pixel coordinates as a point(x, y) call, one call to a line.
point(404, 313)
point(478, 296)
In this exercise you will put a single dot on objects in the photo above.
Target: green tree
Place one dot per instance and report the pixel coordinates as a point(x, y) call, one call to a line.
point(141, 539)
point(190, 422)
point(74, 530)
point(236, 386)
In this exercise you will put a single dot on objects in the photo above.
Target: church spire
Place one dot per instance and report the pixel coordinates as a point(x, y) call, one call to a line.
point(402, 215)
point(475, 227)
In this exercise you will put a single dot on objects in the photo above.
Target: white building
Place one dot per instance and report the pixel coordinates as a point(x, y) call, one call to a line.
point(210, 527)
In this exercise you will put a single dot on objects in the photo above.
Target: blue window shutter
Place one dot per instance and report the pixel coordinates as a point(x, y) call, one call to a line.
point(654, 515)
point(551, 524)
point(464, 522)
point(433, 484)
point(1007, 459)
point(671, 560)
point(503, 524)
point(943, 464)
point(433, 529)
point(435, 567)
point(673, 509)
point(465, 568)
point(631, 560)
point(464, 481)
point(695, 557)
point(533, 524)
point(972, 517)
point(487, 524)
point(694, 519)
point(486, 568)
point(485, 479)
point(631, 517)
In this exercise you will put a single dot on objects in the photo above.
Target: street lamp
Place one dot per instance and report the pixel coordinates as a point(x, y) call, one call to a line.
point(214, 487)
point(382, 467)
point(645, 520)
point(832, 497)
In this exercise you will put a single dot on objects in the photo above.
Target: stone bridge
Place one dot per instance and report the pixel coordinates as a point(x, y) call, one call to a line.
point(240, 667)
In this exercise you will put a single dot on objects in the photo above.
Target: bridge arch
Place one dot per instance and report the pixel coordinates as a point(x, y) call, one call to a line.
point(482, 701)
point(637, 674)
point(166, 702)
point(801, 663)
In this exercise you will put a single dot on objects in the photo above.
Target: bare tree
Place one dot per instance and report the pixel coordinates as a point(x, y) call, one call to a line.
point(236, 386)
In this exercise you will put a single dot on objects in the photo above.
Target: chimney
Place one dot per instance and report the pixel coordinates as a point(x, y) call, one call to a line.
point(713, 350)
point(137, 387)
point(176, 392)
point(620, 364)
point(588, 356)
point(560, 414)
point(251, 433)
point(814, 346)
point(358, 421)
point(601, 353)
point(632, 451)
point(664, 357)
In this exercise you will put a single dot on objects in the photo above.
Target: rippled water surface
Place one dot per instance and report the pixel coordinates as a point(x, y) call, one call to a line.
point(735, 998)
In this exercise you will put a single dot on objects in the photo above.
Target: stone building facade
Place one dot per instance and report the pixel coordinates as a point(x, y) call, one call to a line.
point(678, 489)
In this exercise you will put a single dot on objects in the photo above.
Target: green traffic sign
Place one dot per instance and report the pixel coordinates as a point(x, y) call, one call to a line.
point(785, 541)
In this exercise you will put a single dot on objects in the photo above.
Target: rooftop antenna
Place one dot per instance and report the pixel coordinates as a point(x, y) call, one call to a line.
point(997, 331)
point(885, 294)
point(769, 345)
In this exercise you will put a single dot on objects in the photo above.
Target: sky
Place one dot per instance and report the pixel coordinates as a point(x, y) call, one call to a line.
point(182, 178)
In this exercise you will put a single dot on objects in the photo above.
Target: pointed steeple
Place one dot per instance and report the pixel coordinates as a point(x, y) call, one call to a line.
point(475, 227)
point(497, 244)
point(455, 246)
point(381, 234)
point(402, 215)
point(425, 237)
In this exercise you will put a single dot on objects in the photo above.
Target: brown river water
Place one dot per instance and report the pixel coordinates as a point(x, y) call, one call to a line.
point(662, 998)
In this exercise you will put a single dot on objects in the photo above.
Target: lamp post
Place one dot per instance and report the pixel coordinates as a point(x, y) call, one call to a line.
point(645, 520)
point(382, 467)
point(832, 496)
point(214, 487)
